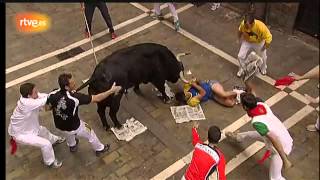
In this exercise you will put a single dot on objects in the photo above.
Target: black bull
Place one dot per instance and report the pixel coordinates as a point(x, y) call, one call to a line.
point(128, 67)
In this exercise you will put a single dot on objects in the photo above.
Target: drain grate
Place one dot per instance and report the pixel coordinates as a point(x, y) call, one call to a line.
point(68, 54)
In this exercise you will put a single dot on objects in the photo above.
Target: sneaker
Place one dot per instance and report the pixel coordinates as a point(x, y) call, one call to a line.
point(240, 72)
point(312, 128)
point(264, 72)
point(106, 148)
point(75, 147)
point(56, 164)
point(59, 141)
point(232, 136)
point(177, 25)
point(113, 35)
point(239, 92)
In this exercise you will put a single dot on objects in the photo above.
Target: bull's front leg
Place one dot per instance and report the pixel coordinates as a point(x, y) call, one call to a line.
point(160, 86)
point(114, 108)
point(101, 111)
point(137, 90)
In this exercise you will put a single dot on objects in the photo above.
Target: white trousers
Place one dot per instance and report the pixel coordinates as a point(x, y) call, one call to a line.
point(172, 10)
point(247, 47)
point(44, 139)
point(276, 161)
point(86, 132)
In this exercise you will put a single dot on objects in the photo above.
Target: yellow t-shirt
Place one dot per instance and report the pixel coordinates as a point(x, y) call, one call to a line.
point(258, 32)
point(191, 101)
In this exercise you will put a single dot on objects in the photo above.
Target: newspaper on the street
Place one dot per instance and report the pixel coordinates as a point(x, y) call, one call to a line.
point(130, 129)
point(252, 65)
point(187, 113)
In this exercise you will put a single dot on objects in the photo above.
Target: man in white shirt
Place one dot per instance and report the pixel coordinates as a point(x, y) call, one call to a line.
point(24, 125)
point(269, 129)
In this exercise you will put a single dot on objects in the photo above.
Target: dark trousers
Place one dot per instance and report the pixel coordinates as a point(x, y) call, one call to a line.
point(89, 10)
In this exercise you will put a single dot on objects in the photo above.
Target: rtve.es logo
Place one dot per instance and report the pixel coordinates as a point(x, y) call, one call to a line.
point(31, 22)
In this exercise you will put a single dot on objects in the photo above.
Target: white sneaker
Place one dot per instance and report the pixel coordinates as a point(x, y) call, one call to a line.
point(55, 164)
point(239, 92)
point(264, 72)
point(240, 72)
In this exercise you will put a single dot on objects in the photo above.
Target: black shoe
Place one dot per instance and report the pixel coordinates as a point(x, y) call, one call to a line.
point(107, 128)
point(75, 147)
point(106, 148)
point(119, 126)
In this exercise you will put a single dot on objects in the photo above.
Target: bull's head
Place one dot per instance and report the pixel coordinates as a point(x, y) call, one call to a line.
point(181, 74)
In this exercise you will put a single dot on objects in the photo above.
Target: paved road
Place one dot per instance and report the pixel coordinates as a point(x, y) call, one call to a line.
point(211, 38)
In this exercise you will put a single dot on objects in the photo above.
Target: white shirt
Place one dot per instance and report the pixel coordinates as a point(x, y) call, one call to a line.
point(25, 117)
point(276, 127)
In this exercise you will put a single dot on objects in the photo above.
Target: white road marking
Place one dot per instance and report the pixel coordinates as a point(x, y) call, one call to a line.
point(88, 52)
point(243, 156)
point(299, 97)
point(255, 147)
point(71, 46)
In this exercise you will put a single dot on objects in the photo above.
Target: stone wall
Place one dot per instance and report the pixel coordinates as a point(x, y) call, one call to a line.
point(279, 15)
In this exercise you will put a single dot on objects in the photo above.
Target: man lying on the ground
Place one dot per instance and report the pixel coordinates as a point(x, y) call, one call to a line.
point(197, 91)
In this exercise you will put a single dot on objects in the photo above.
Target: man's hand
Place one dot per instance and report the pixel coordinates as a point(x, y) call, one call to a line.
point(194, 83)
point(115, 89)
point(195, 124)
point(295, 76)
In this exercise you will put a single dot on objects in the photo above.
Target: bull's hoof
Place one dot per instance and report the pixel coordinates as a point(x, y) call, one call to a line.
point(119, 126)
point(107, 128)
point(167, 100)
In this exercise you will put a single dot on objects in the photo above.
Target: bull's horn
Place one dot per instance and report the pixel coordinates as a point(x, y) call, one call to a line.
point(181, 54)
point(182, 77)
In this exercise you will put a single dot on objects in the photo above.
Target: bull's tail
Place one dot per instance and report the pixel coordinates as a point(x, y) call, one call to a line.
point(85, 84)
point(181, 54)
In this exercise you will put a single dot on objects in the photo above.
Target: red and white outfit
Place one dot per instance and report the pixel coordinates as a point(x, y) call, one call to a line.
point(264, 122)
point(25, 129)
point(205, 161)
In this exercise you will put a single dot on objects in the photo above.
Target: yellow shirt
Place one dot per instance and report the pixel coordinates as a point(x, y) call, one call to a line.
point(257, 34)
point(191, 101)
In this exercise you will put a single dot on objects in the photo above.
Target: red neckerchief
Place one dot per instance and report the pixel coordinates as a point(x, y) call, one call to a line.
point(257, 111)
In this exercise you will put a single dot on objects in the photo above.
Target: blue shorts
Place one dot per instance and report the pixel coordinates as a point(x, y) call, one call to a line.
point(211, 83)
